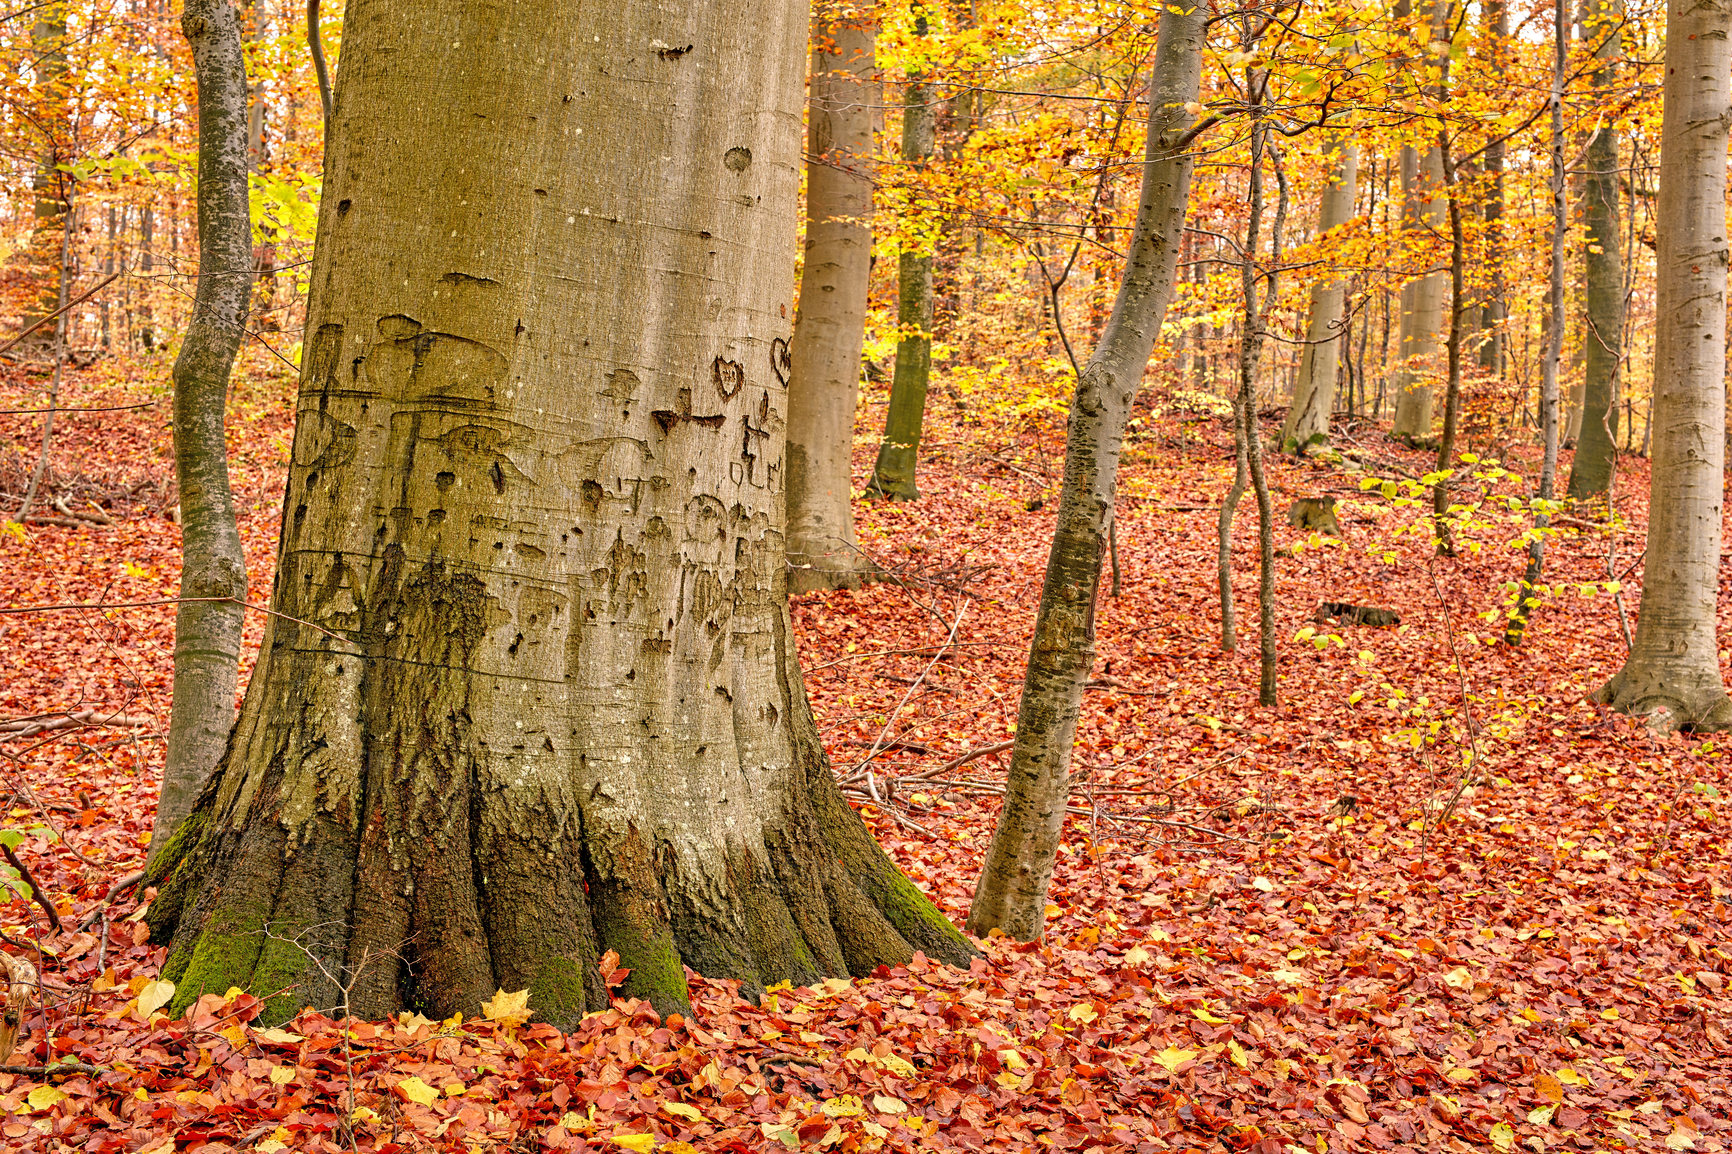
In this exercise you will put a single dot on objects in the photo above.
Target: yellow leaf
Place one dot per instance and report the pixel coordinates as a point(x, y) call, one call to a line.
point(681, 1110)
point(45, 1097)
point(901, 1067)
point(153, 997)
point(1460, 977)
point(1205, 1016)
point(1082, 1012)
point(844, 1106)
point(1241, 1056)
point(641, 1143)
point(875, 1129)
point(678, 1147)
point(282, 1075)
point(280, 1037)
point(1568, 1076)
point(571, 1121)
point(1173, 1057)
point(1460, 1074)
point(1610, 1013)
point(1503, 1136)
point(234, 1036)
point(507, 1009)
point(453, 1089)
point(364, 1114)
point(1008, 1080)
point(1052, 911)
point(1680, 1139)
point(1542, 1115)
point(810, 1038)
point(885, 1104)
point(1013, 1059)
point(417, 1091)
point(858, 1055)
point(277, 1140)
point(1136, 956)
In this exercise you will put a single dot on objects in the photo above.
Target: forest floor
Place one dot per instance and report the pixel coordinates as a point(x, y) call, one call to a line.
point(1265, 933)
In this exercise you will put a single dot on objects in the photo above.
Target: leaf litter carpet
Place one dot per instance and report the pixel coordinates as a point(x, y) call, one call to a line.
point(1266, 933)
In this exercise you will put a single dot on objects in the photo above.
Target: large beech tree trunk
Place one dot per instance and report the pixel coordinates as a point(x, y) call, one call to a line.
point(1307, 424)
point(207, 628)
point(893, 475)
point(1011, 894)
point(1596, 444)
point(830, 327)
point(534, 694)
point(1422, 215)
point(1674, 663)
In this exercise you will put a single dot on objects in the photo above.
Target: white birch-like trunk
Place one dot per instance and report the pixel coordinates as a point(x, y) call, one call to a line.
point(1307, 424)
point(830, 328)
point(534, 695)
point(1674, 663)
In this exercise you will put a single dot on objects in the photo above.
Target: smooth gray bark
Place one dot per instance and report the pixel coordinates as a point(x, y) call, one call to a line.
point(830, 326)
point(1307, 424)
point(1672, 673)
point(213, 578)
point(1011, 894)
point(1603, 268)
point(533, 693)
point(1423, 211)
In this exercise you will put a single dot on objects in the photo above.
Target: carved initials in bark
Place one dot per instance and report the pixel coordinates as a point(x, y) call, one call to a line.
point(668, 418)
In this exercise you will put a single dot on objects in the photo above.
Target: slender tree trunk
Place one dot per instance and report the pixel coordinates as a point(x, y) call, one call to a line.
point(1307, 424)
point(1440, 504)
point(533, 694)
point(50, 184)
point(1256, 323)
point(1596, 446)
point(1526, 599)
point(1495, 14)
point(213, 578)
point(1011, 894)
point(1674, 664)
point(1224, 522)
point(830, 327)
point(63, 281)
point(894, 474)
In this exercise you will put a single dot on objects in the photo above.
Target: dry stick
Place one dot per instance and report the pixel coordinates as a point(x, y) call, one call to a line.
point(56, 314)
point(877, 746)
point(35, 887)
point(114, 891)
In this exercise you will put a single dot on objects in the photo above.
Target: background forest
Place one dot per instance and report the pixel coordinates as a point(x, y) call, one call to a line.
point(1381, 878)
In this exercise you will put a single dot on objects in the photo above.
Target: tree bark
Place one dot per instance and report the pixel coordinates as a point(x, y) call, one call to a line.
point(52, 116)
point(213, 578)
point(1422, 213)
point(894, 474)
point(1422, 217)
point(1674, 662)
point(1307, 424)
point(830, 327)
point(1011, 894)
point(1596, 445)
point(533, 693)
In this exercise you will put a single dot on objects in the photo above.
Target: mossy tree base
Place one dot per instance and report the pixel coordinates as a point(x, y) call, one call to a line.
point(529, 692)
point(1671, 698)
